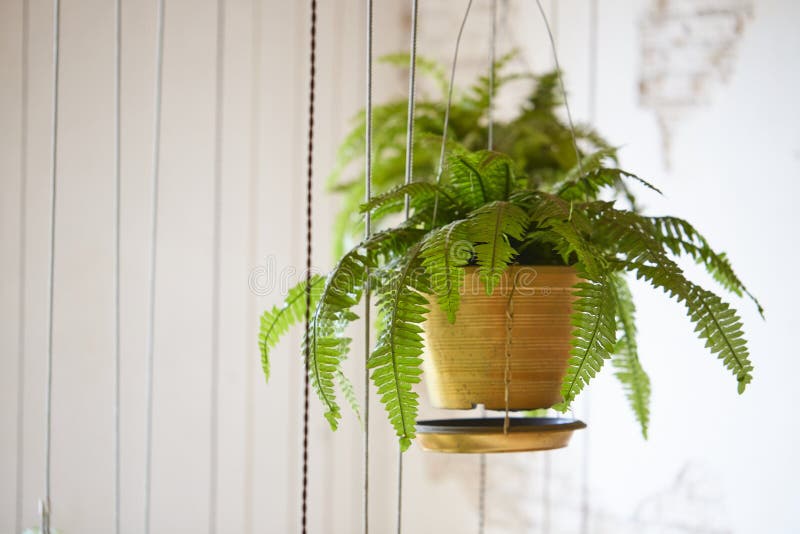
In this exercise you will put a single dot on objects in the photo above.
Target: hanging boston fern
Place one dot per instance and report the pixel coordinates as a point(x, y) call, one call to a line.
point(533, 204)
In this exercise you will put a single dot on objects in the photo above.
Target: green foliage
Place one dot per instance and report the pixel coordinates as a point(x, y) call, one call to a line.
point(491, 228)
point(529, 202)
point(276, 322)
point(629, 370)
point(396, 361)
point(593, 334)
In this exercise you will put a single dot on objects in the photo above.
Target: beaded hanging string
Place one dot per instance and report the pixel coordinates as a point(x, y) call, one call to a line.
point(44, 504)
point(23, 268)
point(150, 348)
point(309, 200)
point(367, 234)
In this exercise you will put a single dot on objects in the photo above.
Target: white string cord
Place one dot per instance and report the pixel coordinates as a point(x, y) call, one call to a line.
point(149, 355)
point(117, 230)
point(216, 246)
point(23, 278)
point(367, 233)
point(44, 505)
point(440, 166)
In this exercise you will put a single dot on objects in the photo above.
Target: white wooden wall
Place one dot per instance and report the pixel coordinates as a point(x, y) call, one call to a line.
point(715, 462)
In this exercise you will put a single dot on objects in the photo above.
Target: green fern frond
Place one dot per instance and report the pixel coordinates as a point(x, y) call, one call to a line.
point(445, 253)
point(680, 237)
point(589, 185)
point(490, 228)
point(276, 322)
point(396, 361)
point(326, 344)
point(419, 193)
point(593, 335)
point(480, 177)
point(629, 370)
point(349, 394)
point(716, 322)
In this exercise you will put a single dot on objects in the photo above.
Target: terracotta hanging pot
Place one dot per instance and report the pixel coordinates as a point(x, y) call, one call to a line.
point(469, 362)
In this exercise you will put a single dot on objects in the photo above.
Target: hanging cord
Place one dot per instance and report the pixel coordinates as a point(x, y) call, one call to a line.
point(44, 505)
point(309, 192)
point(117, 230)
point(219, 118)
point(148, 458)
point(490, 146)
point(440, 166)
point(23, 266)
point(367, 234)
point(409, 176)
point(561, 85)
point(592, 107)
point(508, 352)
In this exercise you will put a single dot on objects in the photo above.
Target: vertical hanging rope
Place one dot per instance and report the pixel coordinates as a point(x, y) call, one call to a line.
point(148, 456)
point(117, 230)
point(490, 146)
point(213, 462)
point(367, 234)
point(309, 192)
point(23, 278)
point(585, 473)
point(44, 504)
point(409, 176)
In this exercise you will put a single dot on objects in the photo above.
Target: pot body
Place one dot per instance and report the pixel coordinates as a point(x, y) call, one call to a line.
point(466, 363)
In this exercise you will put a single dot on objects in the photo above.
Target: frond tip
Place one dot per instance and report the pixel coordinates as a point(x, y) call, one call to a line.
point(593, 335)
point(276, 322)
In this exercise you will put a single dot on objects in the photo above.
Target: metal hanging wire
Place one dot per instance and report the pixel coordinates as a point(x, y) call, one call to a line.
point(23, 267)
point(409, 176)
point(309, 199)
point(367, 234)
point(216, 247)
point(117, 230)
point(150, 342)
point(44, 504)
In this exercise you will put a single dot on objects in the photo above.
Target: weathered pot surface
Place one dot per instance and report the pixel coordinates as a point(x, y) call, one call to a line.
point(466, 363)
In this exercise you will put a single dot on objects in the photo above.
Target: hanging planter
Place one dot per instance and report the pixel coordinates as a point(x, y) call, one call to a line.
point(489, 357)
point(542, 198)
